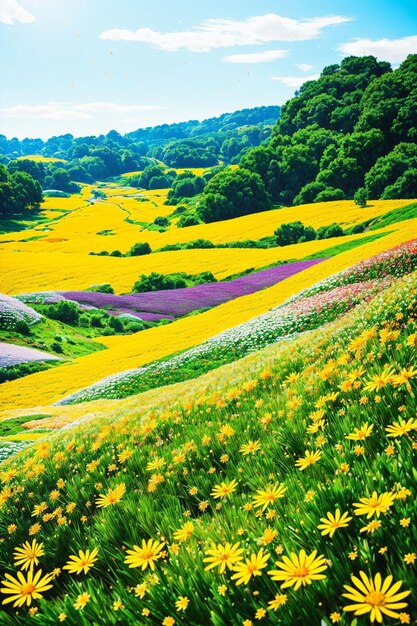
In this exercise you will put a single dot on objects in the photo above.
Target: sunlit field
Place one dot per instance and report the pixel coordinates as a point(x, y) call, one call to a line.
point(155, 343)
point(208, 320)
point(240, 496)
point(78, 225)
point(262, 440)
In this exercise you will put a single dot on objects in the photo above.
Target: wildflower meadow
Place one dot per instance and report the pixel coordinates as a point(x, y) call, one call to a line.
point(208, 337)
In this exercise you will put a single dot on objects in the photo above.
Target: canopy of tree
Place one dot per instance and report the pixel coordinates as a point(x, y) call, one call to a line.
point(354, 127)
point(232, 193)
point(19, 191)
point(188, 144)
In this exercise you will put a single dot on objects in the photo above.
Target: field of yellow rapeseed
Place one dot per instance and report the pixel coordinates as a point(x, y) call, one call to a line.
point(123, 353)
point(197, 171)
point(118, 222)
point(79, 271)
point(258, 225)
point(78, 226)
point(38, 158)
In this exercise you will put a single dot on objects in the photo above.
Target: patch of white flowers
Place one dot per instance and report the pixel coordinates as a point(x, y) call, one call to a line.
point(12, 311)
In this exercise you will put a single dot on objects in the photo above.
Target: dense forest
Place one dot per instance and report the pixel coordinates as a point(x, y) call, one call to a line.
point(188, 144)
point(87, 159)
point(355, 126)
point(350, 133)
point(353, 129)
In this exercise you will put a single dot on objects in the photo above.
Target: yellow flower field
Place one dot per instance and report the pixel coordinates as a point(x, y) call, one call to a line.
point(78, 271)
point(79, 226)
point(228, 482)
point(258, 225)
point(78, 231)
point(128, 352)
point(38, 158)
point(217, 380)
point(197, 171)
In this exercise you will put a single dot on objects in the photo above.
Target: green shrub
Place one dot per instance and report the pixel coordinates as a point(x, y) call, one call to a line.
point(140, 249)
point(358, 228)
point(188, 220)
point(204, 278)
point(116, 324)
point(104, 288)
point(294, 232)
point(96, 321)
point(327, 232)
point(161, 221)
point(22, 327)
point(198, 243)
point(64, 311)
point(180, 209)
point(160, 282)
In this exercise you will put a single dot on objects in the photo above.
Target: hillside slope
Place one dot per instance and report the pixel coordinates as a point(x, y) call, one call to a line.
point(304, 448)
point(124, 352)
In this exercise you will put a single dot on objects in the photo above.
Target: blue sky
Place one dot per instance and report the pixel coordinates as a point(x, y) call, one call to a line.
point(88, 66)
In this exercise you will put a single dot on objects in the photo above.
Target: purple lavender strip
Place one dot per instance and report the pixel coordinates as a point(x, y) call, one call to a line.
point(179, 302)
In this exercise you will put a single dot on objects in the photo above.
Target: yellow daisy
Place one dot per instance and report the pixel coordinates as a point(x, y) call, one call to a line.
point(376, 597)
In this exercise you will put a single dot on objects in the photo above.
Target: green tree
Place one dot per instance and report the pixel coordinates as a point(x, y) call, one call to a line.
point(309, 193)
point(361, 197)
point(330, 194)
point(404, 187)
point(140, 249)
point(293, 232)
point(389, 168)
point(19, 192)
point(232, 194)
point(34, 169)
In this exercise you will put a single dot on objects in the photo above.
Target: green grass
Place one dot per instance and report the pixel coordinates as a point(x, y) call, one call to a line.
point(274, 400)
point(34, 238)
point(105, 233)
point(24, 369)
point(75, 341)
point(344, 247)
point(17, 224)
point(250, 270)
point(13, 426)
point(396, 215)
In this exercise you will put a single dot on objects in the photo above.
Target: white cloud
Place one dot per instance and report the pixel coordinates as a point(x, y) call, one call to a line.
point(223, 33)
point(304, 67)
point(295, 81)
point(256, 57)
point(11, 11)
point(69, 111)
point(393, 50)
point(112, 107)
